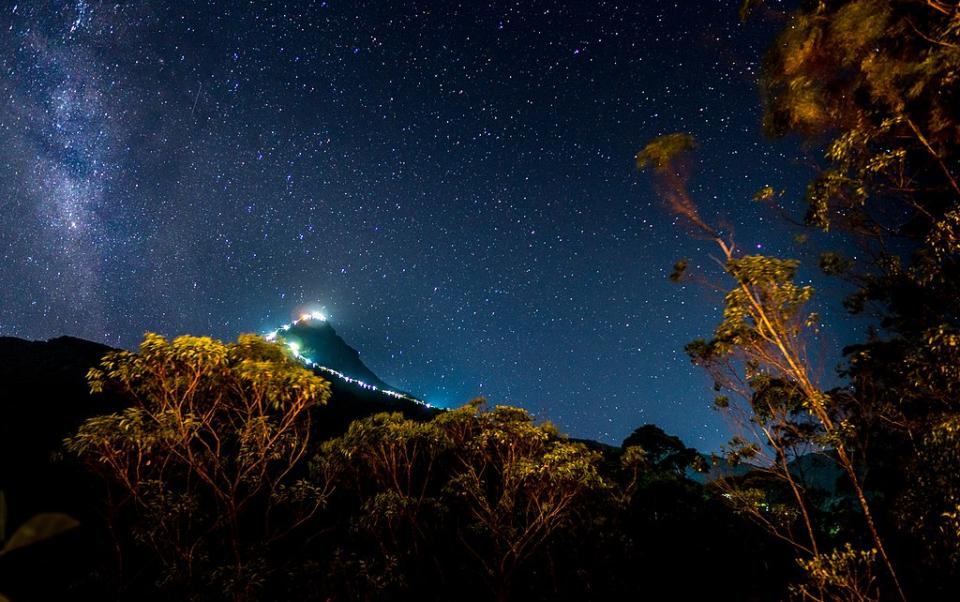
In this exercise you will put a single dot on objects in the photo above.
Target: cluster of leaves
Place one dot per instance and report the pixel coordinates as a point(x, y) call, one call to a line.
point(875, 82)
point(206, 447)
point(660, 155)
point(843, 574)
point(879, 78)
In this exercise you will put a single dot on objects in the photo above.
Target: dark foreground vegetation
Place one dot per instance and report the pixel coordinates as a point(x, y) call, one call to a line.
point(203, 470)
point(216, 477)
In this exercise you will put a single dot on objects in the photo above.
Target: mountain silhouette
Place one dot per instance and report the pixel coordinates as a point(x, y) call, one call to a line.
point(43, 398)
point(316, 340)
point(357, 391)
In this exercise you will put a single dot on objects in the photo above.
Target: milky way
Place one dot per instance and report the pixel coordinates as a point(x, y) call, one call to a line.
point(453, 183)
point(61, 140)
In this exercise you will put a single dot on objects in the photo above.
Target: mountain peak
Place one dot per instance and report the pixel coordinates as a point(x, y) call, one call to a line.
point(313, 339)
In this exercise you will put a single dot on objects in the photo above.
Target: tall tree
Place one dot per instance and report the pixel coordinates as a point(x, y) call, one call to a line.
point(874, 83)
point(518, 484)
point(206, 451)
point(764, 332)
point(393, 467)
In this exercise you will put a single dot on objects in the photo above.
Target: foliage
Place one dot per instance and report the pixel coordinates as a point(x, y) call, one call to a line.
point(211, 439)
point(518, 483)
point(468, 504)
point(390, 464)
point(663, 454)
point(487, 487)
point(759, 352)
point(874, 83)
point(929, 506)
point(36, 530)
point(661, 153)
point(843, 574)
point(664, 157)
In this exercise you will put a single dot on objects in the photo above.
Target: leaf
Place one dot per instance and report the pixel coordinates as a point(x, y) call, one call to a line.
point(679, 269)
point(764, 194)
point(38, 528)
point(661, 152)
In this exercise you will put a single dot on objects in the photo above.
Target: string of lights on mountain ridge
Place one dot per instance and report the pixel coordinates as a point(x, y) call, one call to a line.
point(294, 348)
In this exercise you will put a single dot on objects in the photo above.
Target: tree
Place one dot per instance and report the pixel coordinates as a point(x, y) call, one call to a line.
point(665, 454)
point(878, 78)
point(874, 85)
point(392, 465)
point(844, 574)
point(929, 506)
point(206, 453)
point(762, 341)
point(518, 484)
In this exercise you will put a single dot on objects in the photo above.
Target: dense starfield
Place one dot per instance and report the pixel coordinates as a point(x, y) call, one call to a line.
point(453, 184)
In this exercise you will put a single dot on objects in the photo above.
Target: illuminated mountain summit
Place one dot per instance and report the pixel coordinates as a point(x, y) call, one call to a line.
point(313, 339)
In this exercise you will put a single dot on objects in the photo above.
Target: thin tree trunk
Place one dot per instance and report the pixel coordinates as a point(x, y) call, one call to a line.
point(799, 373)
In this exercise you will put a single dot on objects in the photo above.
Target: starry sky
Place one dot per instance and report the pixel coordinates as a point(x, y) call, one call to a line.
point(451, 182)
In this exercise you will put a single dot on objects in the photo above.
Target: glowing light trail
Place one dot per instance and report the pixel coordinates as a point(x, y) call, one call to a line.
point(295, 349)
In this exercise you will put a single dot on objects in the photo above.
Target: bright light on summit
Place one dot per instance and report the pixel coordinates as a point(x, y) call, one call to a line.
point(294, 347)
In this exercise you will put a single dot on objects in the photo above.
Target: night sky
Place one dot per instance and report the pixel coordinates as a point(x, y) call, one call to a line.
point(452, 183)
